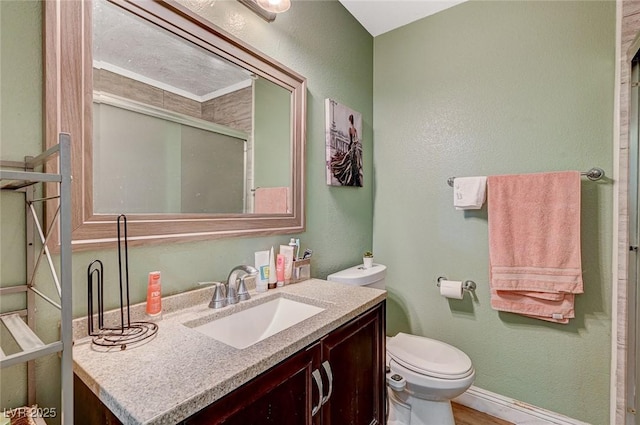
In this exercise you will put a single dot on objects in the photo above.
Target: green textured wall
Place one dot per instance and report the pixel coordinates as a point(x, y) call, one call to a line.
point(494, 87)
point(319, 40)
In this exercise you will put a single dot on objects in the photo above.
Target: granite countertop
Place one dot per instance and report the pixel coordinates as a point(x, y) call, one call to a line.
point(179, 371)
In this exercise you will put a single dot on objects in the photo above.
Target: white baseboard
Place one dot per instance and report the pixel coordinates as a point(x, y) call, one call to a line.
point(512, 410)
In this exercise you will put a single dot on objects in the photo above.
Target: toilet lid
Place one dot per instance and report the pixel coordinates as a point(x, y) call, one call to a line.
point(429, 357)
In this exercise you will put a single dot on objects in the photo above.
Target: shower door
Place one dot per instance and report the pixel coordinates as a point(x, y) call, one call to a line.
point(633, 369)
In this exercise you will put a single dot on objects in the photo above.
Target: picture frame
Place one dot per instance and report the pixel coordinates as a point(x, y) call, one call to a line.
point(343, 145)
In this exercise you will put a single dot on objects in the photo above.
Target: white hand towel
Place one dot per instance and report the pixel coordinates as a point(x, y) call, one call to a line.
point(469, 193)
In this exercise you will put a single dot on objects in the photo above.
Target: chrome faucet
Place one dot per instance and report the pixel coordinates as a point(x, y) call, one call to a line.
point(235, 290)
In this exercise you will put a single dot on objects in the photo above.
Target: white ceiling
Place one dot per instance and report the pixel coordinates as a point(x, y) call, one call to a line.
point(380, 16)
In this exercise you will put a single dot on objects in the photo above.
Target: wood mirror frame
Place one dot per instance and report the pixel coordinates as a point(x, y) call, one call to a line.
point(68, 108)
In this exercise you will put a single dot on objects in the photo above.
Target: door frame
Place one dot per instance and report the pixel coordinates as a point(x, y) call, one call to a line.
point(633, 340)
point(628, 293)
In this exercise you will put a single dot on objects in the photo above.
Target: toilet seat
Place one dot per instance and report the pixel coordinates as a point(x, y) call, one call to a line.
point(429, 357)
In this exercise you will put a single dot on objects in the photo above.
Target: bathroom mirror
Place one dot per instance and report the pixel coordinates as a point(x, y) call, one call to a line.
point(188, 131)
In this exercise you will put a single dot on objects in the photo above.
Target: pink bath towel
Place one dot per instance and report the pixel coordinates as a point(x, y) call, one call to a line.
point(272, 200)
point(534, 243)
point(559, 311)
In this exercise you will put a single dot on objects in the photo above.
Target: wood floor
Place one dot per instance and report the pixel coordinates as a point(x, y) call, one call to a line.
point(464, 415)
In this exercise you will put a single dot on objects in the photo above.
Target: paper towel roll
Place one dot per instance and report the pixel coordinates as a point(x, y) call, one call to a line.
point(451, 289)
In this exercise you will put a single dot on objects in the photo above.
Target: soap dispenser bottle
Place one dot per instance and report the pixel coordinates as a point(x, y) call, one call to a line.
point(154, 296)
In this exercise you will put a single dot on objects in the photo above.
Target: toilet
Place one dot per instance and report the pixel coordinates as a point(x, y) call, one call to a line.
point(424, 374)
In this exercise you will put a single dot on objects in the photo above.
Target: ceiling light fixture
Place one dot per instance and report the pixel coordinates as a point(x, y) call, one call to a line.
point(275, 6)
point(267, 9)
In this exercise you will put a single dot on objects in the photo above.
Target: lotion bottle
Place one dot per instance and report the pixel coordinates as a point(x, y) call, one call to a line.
point(262, 265)
point(287, 252)
point(280, 269)
point(273, 279)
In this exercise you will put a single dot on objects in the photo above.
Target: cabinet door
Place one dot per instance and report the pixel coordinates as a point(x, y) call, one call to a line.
point(355, 354)
point(87, 407)
point(284, 395)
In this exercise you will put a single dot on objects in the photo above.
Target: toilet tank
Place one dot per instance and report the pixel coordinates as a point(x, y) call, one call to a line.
point(372, 277)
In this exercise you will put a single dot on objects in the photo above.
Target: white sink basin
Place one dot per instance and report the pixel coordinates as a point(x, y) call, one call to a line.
point(246, 327)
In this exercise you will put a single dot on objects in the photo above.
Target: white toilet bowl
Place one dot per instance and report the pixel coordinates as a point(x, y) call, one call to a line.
point(425, 374)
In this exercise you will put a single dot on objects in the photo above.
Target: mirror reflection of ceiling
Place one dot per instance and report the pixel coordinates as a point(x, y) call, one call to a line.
point(128, 45)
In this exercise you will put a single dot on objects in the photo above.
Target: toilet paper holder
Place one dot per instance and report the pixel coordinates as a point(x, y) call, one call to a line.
point(467, 285)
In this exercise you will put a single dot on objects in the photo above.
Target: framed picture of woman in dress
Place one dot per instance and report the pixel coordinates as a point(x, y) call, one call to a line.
point(343, 145)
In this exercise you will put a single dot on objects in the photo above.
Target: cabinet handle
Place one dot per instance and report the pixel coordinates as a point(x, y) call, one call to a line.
point(318, 378)
point(327, 370)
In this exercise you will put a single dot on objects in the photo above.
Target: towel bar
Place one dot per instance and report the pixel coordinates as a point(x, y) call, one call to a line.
point(593, 174)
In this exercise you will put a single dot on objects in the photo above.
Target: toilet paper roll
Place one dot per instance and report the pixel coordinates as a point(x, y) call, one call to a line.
point(451, 289)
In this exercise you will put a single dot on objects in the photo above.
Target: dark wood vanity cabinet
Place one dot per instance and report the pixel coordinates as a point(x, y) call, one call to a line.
point(339, 380)
point(356, 354)
point(282, 396)
point(348, 361)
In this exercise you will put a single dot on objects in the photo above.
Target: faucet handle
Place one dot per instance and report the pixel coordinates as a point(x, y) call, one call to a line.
point(243, 293)
point(219, 299)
